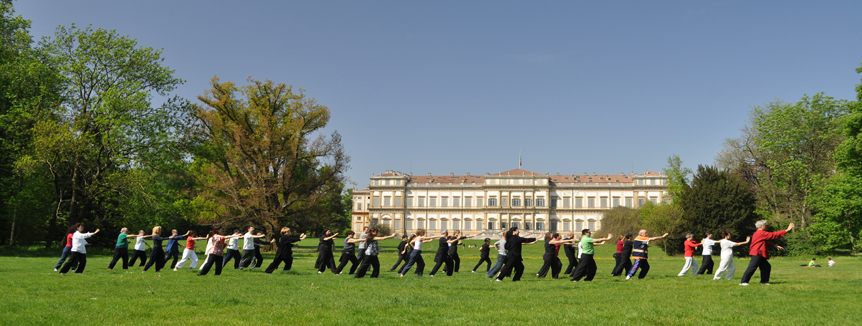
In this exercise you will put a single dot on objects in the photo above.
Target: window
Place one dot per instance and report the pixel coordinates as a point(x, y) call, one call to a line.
point(628, 202)
point(640, 182)
point(540, 202)
point(387, 182)
point(579, 202)
point(409, 224)
point(358, 206)
point(616, 201)
point(492, 201)
point(604, 202)
point(432, 225)
point(566, 202)
point(490, 225)
point(527, 226)
point(503, 225)
point(397, 201)
point(541, 226)
point(653, 199)
point(432, 202)
point(479, 202)
point(442, 225)
point(640, 202)
point(376, 202)
point(386, 201)
point(397, 225)
point(456, 201)
point(466, 225)
point(504, 201)
point(516, 202)
point(554, 202)
point(421, 224)
point(444, 202)
point(454, 225)
point(591, 202)
point(421, 202)
point(528, 202)
point(409, 201)
point(579, 226)
point(567, 226)
point(374, 222)
point(467, 201)
point(592, 226)
point(376, 182)
point(516, 225)
point(385, 222)
point(652, 182)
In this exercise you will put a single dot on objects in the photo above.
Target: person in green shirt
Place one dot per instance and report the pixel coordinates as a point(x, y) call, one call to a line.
point(813, 263)
point(586, 265)
point(122, 249)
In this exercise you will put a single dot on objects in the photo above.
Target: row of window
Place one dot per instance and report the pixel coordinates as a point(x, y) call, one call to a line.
point(387, 182)
point(516, 202)
point(443, 225)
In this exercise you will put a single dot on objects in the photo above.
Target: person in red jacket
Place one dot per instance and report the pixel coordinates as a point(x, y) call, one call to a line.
point(690, 263)
point(759, 254)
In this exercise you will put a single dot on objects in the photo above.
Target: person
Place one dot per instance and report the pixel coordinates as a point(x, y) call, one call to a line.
point(401, 255)
point(640, 249)
point(79, 251)
point(408, 249)
point(121, 250)
point(157, 256)
point(625, 256)
point(67, 249)
point(325, 252)
point(830, 263)
point(173, 248)
point(707, 264)
point(453, 243)
point(208, 247)
point(726, 265)
point(258, 258)
point(569, 248)
point(348, 254)
point(232, 249)
point(248, 248)
point(140, 249)
point(416, 254)
point(514, 242)
point(442, 256)
point(214, 253)
point(617, 260)
point(759, 254)
point(500, 246)
point(189, 251)
point(690, 263)
point(587, 266)
point(813, 263)
point(551, 260)
point(284, 253)
point(362, 236)
point(371, 251)
point(484, 256)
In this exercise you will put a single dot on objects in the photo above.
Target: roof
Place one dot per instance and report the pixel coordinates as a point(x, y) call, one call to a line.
point(519, 172)
point(591, 178)
point(447, 179)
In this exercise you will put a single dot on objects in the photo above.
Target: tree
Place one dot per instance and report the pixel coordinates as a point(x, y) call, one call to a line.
point(620, 220)
point(663, 218)
point(716, 201)
point(257, 162)
point(677, 176)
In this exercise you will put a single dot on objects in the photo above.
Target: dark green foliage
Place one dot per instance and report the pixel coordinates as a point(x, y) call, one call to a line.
point(619, 221)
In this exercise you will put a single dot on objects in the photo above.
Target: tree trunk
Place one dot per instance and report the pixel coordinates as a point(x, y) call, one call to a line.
point(15, 209)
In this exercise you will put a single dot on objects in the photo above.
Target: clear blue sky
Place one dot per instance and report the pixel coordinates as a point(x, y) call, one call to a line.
point(455, 87)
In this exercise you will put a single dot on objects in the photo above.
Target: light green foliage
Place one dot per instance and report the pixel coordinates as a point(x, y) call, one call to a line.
point(677, 176)
point(662, 218)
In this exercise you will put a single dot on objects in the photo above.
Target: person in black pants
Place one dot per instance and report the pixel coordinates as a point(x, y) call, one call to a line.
point(513, 257)
point(140, 249)
point(173, 248)
point(484, 252)
point(586, 265)
point(442, 256)
point(258, 258)
point(284, 253)
point(707, 264)
point(121, 250)
point(551, 261)
point(325, 254)
point(401, 255)
point(372, 250)
point(625, 257)
point(79, 251)
point(454, 242)
point(157, 256)
point(348, 254)
point(570, 253)
point(214, 252)
point(416, 254)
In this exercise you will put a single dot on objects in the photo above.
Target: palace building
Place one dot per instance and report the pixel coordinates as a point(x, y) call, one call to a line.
point(490, 203)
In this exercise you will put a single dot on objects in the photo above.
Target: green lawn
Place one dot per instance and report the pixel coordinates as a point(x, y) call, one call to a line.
point(33, 294)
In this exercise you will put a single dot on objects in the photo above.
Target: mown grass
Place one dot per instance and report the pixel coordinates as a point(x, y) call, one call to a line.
point(34, 294)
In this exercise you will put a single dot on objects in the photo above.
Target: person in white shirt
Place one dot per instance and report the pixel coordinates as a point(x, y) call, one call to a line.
point(232, 251)
point(830, 263)
point(726, 265)
point(79, 251)
point(707, 264)
point(248, 248)
point(140, 249)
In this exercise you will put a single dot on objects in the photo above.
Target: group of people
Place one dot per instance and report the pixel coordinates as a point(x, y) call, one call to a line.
point(220, 249)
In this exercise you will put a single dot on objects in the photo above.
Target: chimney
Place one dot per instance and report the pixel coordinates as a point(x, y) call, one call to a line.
point(468, 174)
point(429, 174)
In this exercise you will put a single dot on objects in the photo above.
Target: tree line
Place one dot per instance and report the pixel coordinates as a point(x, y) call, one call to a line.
point(90, 131)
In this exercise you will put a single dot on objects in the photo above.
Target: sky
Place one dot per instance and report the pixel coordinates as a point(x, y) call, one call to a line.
point(461, 87)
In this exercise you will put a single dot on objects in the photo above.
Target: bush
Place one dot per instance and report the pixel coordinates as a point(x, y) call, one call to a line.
point(383, 230)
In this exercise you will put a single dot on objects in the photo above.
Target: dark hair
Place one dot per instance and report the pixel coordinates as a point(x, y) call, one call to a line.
point(584, 231)
point(708, 234)
point(548, 236)
point(326, 230)
point(74, 227)
point(192, 233)
point(350, 233)
point(404, 236)
point(235, 230)
point(556, 235)
point(628, 236)
point(487, 240)
point(725, 233)
point(372, 232)
point(216, 230)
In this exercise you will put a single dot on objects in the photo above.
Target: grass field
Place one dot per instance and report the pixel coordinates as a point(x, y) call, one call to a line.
point(34, 294)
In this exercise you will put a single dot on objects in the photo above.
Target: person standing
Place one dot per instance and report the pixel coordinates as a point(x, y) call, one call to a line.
point(442, 256)
point(67, 249)
point(121, 250)
point(371, 251)
point(569, 248)
point(587, 265)
point(416, 254)
point(248, 248)
point(759, 252)
point(232, 251)
point(484, 256)
point(325, 252)
point(618, 255)
point(454, 242)
point(551, 260)
point(500, 246)
point(258, 258)
point(625, 256)
point(348, 254)
point(189, 251)
point(690, 263)
point(707, 264)
point(408, 249)
point(641, 254)
point(284, 253)
point(79, 251)
point(362, 236)
point(726, 265)
point(513, 257)
point(401, 255)
point(214, 253)
point(157, 256)
point(140, 249)
point(173, 248)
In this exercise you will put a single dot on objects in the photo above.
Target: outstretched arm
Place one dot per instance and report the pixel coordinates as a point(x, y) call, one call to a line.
point(656, 238)
point(330, 237)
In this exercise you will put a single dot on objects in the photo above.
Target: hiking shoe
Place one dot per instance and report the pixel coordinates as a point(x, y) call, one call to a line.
point(743, 284)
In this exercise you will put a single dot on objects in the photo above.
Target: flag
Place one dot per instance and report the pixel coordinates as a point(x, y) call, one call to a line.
point(520, 162)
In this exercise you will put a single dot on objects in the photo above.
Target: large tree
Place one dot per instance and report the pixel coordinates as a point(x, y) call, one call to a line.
point(263, 160)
